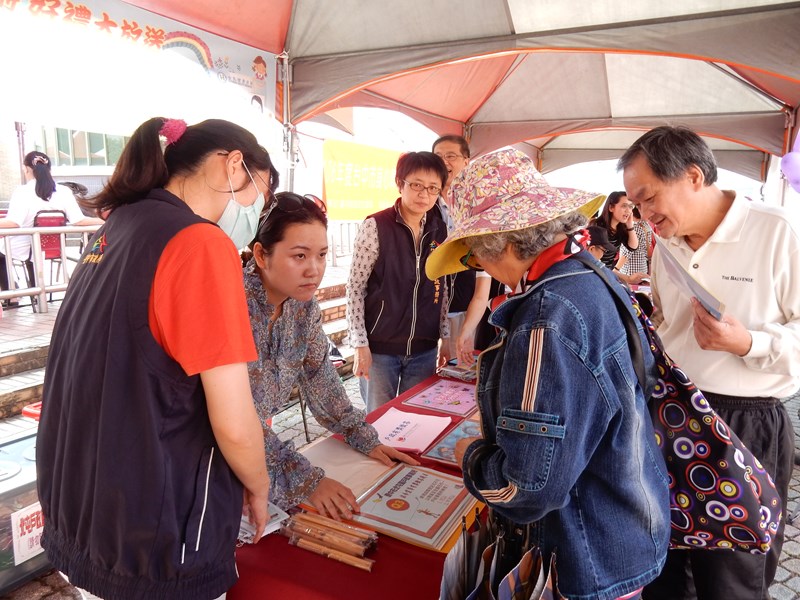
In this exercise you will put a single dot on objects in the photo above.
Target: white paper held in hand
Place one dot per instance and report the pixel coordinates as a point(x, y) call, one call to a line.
point(276, 517)
point(687, 284)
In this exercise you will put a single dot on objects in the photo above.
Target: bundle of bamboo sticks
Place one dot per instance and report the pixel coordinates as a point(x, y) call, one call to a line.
point(336, 540)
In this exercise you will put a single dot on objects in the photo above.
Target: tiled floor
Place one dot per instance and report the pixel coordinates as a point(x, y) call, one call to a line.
point(22, 328)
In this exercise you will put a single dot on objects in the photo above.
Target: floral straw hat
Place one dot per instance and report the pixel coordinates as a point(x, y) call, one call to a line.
point(502, 191)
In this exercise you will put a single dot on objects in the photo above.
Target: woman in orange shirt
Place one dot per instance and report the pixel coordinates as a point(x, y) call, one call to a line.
point(148, 434)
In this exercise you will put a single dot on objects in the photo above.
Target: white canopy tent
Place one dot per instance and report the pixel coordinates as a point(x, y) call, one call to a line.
point(569, 81)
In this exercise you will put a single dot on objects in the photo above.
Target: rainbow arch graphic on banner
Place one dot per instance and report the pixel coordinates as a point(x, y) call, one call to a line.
point(184, 39)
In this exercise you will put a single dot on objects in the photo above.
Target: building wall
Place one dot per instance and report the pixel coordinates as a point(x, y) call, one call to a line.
point(9, 161)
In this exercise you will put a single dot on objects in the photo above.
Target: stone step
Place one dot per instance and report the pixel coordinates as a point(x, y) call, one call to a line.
point(338, 290)
point(336, 331)
point(334, 309)
point(20, 360)
point(19, 390)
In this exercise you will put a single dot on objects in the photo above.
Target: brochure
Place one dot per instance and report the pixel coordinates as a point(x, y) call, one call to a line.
point(276, 519)
point(444, 449)
point(687, 284)
point(409, 432)
point(452, 397)
point(416, 505)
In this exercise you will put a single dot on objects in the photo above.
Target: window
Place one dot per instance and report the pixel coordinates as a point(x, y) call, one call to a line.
point(64, 148)
point(87, 148)
point(97, 148)
point(80, 152)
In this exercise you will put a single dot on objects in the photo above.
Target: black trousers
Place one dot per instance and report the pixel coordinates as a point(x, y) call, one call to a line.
point(765, 428)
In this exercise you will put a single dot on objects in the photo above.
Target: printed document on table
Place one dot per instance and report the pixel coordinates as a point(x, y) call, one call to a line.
point(415, 504)
point(409, 431)
point(453, 397)
point(444, 450)
point(687, 284)
point(344, 464)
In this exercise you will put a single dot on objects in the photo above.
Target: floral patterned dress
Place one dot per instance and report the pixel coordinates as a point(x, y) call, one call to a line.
point(294, 352)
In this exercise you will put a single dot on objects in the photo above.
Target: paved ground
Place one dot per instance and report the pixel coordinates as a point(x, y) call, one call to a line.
point(21, 327)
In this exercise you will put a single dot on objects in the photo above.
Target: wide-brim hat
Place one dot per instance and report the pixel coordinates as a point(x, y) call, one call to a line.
point(498, 192)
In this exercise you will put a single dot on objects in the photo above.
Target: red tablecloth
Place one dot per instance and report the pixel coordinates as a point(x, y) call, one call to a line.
point(275, 569)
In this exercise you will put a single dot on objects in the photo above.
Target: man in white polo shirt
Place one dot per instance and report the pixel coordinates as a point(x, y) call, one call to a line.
point(748, 256)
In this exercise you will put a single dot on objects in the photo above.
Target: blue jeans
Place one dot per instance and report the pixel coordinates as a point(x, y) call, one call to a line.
point(391, 375)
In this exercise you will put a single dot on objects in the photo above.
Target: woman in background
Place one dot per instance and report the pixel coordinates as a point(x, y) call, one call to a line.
point(41, 192)
point(287, 266)
point(617, 219)
point(638, 260)
point(396, 315)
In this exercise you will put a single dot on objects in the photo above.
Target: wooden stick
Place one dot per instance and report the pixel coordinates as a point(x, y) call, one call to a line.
point(328, 538)
point(333, 524)
point(364, 564)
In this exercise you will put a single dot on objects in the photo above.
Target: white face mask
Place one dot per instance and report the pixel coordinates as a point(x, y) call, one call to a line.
point(241, 222)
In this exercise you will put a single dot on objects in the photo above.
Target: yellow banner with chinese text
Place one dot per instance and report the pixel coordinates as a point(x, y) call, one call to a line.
point(358, 180)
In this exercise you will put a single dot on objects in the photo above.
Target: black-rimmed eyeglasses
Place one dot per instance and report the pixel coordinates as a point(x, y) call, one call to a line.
point(470, 261)
point(418, 187)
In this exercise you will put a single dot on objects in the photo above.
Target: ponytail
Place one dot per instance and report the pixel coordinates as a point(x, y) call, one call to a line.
point(39, 163)
point(141, 168)
point(144, 166)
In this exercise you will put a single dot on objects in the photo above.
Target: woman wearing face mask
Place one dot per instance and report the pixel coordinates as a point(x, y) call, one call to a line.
point(280, 279)
point(148, 435)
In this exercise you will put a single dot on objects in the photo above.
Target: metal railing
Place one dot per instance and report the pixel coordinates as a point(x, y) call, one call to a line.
point(341, 235)
point(40, 287)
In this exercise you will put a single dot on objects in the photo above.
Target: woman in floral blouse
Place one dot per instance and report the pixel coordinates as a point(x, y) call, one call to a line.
point(288, 262)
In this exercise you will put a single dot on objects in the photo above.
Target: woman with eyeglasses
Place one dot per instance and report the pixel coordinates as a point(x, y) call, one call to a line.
point(617, 219)
point(149, 440)
point(287, 264)
point(395, 314)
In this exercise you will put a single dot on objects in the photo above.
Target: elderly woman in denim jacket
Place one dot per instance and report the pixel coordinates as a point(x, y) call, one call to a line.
point(280, 279)
point(568, 442)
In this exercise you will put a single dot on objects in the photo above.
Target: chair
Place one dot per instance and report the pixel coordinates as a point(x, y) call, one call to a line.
point(50, 244)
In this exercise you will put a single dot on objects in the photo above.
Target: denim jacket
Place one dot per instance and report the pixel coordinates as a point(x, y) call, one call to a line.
point(568, 440)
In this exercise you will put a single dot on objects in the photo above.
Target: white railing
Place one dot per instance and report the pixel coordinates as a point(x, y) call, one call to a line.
point(341, 235)
point(40, 287)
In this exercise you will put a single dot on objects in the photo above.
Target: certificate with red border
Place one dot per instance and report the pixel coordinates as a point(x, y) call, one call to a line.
point(416, 504)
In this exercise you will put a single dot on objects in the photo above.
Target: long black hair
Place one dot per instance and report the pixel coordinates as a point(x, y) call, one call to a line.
point(620, 233)
point(143, 166)
point(39, 163)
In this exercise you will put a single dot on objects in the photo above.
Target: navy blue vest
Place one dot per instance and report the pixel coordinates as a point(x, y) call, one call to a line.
point(138, 500)
point(402, 306)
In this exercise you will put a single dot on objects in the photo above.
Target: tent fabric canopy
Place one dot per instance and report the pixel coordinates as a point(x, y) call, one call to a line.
point(566, 81)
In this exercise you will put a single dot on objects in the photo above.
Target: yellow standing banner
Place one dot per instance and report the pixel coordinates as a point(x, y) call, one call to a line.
point(358, 180)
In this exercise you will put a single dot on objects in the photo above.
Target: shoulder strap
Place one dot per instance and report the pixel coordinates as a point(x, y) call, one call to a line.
point(627, 316)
